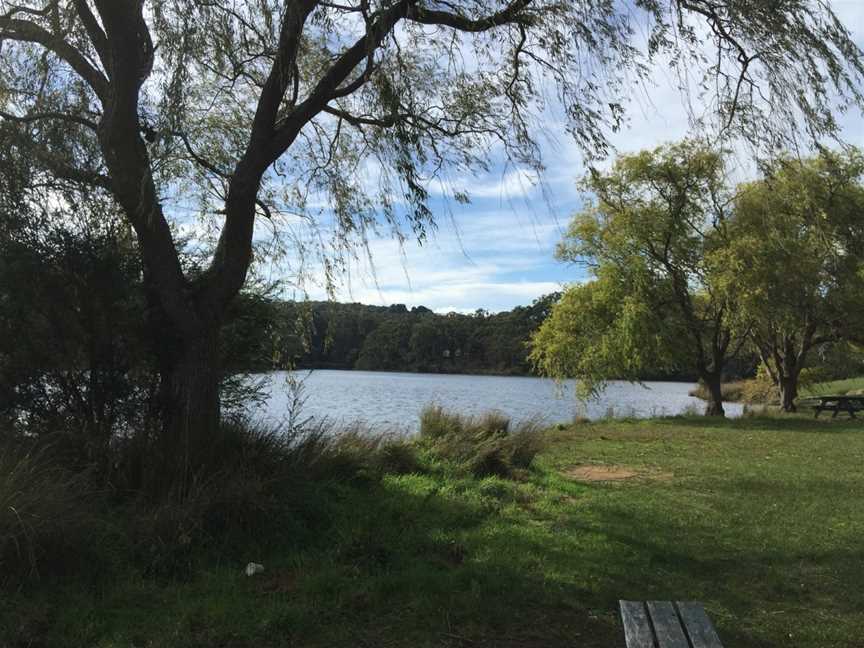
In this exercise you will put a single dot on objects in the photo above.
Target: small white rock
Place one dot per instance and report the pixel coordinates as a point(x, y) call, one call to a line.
point(254, 568)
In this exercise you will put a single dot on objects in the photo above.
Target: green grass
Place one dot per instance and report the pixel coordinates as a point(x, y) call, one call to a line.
point(759, 518)
point(835, 387)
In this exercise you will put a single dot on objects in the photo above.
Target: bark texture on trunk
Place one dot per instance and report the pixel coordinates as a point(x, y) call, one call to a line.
point(714, 407)
point(190, 374)
point(788, 385)
point(785, 357)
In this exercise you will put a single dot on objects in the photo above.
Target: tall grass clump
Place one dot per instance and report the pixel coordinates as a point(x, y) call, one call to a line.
point(49, 519)
point(735, 391)
point(264, 483)
point(257, 484)
point(483, 445)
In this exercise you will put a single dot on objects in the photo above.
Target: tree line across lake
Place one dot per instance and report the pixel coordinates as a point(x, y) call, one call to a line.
point(395, 338)
point(332, 335)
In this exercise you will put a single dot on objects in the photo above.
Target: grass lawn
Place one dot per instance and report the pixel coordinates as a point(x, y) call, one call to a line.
point(762, 519)
point(834, 387)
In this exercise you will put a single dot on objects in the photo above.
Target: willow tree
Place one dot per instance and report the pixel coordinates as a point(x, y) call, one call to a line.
point(257, 109)
point(796, 264)
point(654, 238)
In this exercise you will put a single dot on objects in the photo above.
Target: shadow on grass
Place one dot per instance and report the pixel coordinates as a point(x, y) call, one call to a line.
point(447, 561)
point(414, 562)
point(448, 567)
point(463, 570)
point(741, 577)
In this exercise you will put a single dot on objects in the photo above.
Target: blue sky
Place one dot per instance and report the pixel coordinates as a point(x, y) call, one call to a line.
point(497, 252)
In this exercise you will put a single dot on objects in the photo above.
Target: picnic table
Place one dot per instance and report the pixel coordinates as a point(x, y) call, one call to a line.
point(667, 624)
point(837, 403)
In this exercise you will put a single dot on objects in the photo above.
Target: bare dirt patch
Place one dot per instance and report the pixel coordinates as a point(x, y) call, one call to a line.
point(604, 473)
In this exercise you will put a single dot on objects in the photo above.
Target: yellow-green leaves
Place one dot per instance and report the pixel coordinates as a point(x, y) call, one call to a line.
point(654, 238)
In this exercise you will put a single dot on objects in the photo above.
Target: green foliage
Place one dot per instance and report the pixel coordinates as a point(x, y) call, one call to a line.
point(355, 336)
point(836, 361)
point(796, 254)
point(73, 346)
point(652, 240)
point(483, 445)
point(600, 330)
point(795, 258)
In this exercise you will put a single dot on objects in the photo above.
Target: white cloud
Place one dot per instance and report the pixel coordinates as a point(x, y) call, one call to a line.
point(510, 184)
point(497, 252)
point(493, 259)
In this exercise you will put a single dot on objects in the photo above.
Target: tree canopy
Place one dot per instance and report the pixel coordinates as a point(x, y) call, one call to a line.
point(338, 117)
point(390, 338)
point(689, 270)
point(652, 240)
point(795, 262)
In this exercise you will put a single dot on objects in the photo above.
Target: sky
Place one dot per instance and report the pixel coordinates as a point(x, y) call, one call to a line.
point(498, 251)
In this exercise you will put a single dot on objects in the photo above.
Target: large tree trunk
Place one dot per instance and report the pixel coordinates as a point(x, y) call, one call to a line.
point(789, 364)
point(788, 386)
point(713, 385)
point(187, 405)
point(190, 373)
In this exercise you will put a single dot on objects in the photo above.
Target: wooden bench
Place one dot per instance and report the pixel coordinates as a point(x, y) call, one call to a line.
point(837, 404)
point(667, 624)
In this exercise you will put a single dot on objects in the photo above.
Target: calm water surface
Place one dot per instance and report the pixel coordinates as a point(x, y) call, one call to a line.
point(393, 401)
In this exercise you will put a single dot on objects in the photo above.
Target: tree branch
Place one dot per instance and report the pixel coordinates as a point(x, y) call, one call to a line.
point(63, 169)
point(29, 118)
point(212, 168)
point(510, 14)
point(26, 31)
point(94, 31)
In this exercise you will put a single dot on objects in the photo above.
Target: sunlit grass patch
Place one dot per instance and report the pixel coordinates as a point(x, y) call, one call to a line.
point(847, 386)
point(482, 445)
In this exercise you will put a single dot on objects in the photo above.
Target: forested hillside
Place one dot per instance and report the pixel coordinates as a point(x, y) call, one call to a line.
point(332, 335)
point(394, 338)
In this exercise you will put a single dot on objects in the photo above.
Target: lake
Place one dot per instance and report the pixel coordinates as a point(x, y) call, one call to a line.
point(393, 401)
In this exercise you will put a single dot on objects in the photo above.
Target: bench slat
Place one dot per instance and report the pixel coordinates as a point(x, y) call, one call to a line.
point(698, 626)
point(637, 627)
point(667, 625)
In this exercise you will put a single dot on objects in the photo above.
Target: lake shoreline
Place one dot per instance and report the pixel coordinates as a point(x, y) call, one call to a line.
point(689, 381)
point(394, 400)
